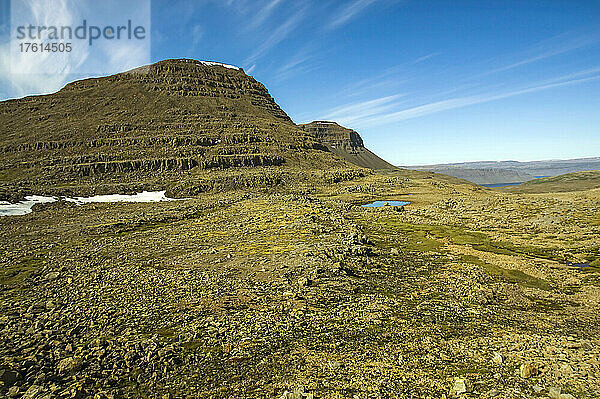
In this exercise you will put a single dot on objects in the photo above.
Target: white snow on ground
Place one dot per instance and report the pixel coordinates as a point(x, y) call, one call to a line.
point(211, 63)
point(25, 207)
point(146, 196)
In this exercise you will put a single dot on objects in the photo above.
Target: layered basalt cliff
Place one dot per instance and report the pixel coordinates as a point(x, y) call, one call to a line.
point(345, 143)
point(172, 121)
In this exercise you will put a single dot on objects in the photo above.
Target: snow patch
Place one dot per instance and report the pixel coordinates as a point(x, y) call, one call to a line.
point(211, 63)
point(23, 207)
point(146, 196)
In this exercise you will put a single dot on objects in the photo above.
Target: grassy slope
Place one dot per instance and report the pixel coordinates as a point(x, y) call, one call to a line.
point(570, 182)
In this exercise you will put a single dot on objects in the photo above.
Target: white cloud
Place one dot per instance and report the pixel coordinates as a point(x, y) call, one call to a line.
point(352, 113)
point(23, 72)
point(296, 65)
point(197, 34)
point(425, 57)
point(277, 36)
point(46, 72)
point(20, 85)
point(381, 111)
point(552, 47)
point(348, 12)
point(264, 13)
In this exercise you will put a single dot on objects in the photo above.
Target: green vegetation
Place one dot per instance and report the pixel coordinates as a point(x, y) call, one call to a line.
point(511, 276)
point(577, 181)
point(425, 237)
point(14, 274)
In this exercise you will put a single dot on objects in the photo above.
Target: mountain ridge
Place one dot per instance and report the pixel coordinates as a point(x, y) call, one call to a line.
point(180, 122)
point(346, 143)
point(490, 172)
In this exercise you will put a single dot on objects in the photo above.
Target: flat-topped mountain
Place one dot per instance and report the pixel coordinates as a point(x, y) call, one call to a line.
point(480, 175)
point(177, 122)
point(346, 143)
point(489, 172)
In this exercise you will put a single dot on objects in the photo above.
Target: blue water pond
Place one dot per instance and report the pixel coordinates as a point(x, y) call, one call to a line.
point(379, 204)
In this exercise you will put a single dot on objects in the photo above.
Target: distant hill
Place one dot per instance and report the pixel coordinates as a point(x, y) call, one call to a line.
point(346, 143)
point(494, 172)
point(481, 176)
point(569, 182)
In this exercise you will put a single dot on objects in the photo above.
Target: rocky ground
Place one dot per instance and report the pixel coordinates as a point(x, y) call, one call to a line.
point(465, 293)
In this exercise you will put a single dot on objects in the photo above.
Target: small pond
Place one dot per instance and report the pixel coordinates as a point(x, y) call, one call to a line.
point(578, 265)
point(379, 204)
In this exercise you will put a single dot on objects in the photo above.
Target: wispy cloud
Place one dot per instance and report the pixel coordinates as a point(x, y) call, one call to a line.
point(555, 46)
point(45, 72)
point(460, 102)
point(264, 13)
point(389, 80)
point(197, 34)
point(348, 12)
point(22, 75)
point(352, 113)
point(297, 64)
point(385, 110)
point(425, 58)
point(277, 36)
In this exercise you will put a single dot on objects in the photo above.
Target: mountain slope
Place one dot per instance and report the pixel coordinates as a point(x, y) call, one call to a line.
point(480, 176)
point(174, 123)
point(346, 143)
point(577, 181)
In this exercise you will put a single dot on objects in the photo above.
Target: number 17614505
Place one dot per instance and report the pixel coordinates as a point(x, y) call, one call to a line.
point(45, 47)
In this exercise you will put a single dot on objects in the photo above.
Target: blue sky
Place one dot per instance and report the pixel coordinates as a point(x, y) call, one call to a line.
point(422, 81)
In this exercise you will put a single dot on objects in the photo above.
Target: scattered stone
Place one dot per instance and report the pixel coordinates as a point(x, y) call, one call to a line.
point(554, 393)
point(461, 385)
point(33, 392)
point(497, 358)
point(303, 282)
point(69, 365)
point(334, 365)
point(297, 394)
point(13, 391)
point(52, 276)
point(527, 370)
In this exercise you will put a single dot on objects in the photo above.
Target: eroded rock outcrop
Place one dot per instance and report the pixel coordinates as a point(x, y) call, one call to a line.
point(346, 143)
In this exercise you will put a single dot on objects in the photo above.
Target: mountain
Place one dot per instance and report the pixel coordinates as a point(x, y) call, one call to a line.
point(577, 181)
point(481, 176)
point(185, 125)
point(490, 172)
point(345, 143)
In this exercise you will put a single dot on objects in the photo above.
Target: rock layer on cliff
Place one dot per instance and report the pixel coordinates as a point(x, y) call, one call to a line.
point(176, 122)
point(346, 143)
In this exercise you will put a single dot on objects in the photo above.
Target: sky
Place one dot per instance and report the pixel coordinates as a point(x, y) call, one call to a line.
point(422, 81)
